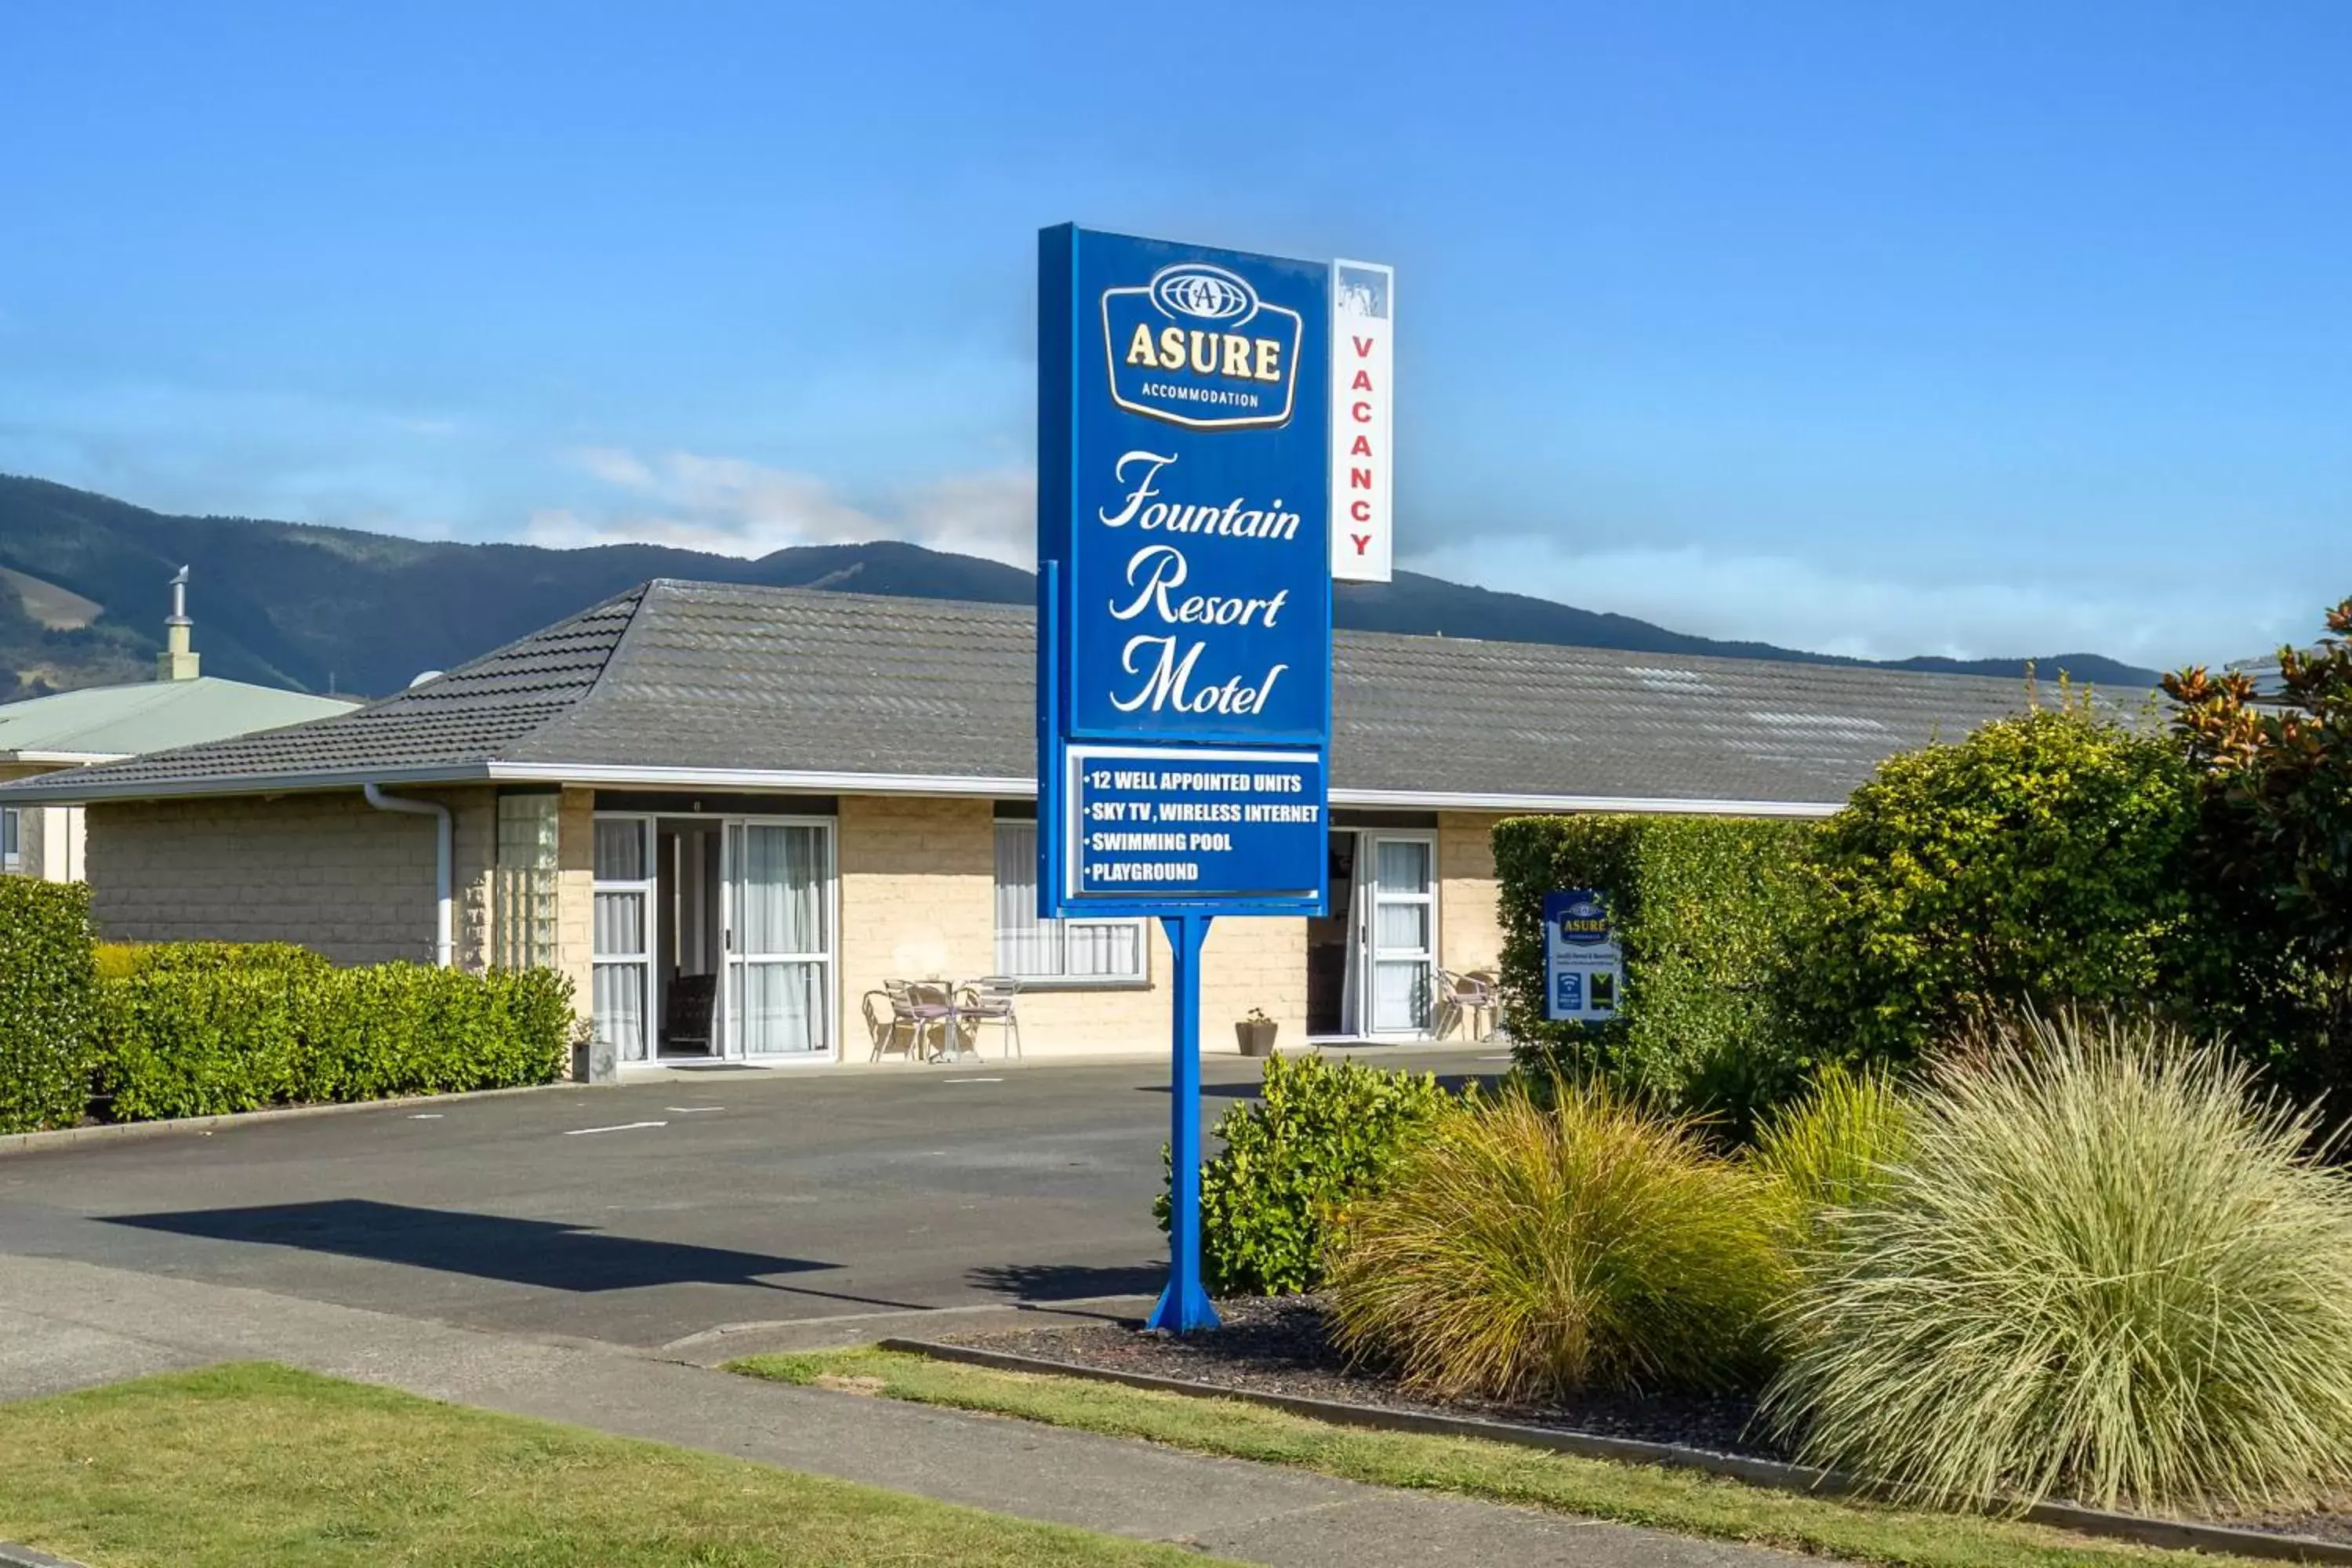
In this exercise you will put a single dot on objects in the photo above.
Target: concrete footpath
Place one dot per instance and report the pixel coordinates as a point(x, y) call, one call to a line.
point(67, 1324)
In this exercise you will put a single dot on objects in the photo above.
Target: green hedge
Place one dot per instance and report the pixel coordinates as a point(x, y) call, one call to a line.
point(48, 1003)
point(1322, 1134)
point(198, 1029)
point(1707, 910)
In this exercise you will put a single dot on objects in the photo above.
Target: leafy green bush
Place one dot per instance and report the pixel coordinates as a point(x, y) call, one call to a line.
point(2036, 863)
point(1321, 1135)
point(2273, 859)
point(1529, 1248)
point(1834, 1148)
point(2102, 1268)
point(1707, 910)
point(50, 1004)
point(205, 1028)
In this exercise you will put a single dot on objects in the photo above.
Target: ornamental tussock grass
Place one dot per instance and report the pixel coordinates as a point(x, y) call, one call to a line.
point(1531, 1248)
point(1833, 1150)
point(2104, 1268)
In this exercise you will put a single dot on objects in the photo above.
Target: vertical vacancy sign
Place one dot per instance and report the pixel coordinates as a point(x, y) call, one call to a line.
point(1363, 320)
point(1184, 513)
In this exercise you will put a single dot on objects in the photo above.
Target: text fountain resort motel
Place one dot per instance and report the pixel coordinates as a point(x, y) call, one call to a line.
point(729, 814)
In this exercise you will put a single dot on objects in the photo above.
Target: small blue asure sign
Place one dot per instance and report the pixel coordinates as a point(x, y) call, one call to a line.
point(1184, 647)
point(1584, 967)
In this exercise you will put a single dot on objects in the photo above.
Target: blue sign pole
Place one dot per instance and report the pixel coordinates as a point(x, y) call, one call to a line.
point(1184, 1304)
point(1185, 409)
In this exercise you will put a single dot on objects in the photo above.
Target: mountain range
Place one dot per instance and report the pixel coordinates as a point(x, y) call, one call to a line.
point(82, 598)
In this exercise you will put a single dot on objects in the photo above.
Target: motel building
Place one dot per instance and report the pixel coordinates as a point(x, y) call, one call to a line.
point(732, 814)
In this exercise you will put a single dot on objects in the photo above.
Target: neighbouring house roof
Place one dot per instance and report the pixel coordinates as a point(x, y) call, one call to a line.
point(705, 685)
point(107, 722)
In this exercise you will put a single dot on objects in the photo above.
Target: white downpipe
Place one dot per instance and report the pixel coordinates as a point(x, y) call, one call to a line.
point(444, 845)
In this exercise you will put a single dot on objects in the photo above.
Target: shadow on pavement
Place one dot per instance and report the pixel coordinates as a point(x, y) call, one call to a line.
point(547, 1253)
point(1068, 1281)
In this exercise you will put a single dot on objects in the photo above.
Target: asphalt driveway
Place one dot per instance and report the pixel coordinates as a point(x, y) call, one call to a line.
point(656, 1211)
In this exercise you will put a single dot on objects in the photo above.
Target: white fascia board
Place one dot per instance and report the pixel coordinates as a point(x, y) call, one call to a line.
point(797, 781)
point(71, 786)
point(65, 758)
point(62, 786)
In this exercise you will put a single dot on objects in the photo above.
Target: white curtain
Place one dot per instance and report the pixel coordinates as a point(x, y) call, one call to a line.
point(620, 925)
point(1042, 949)
point(780, 1007)
point(620, 1008)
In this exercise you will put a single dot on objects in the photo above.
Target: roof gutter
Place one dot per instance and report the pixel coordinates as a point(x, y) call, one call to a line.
point(67, 786)
point(444, 847)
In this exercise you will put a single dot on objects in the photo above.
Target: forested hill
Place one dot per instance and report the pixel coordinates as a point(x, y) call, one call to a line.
point(82, 597)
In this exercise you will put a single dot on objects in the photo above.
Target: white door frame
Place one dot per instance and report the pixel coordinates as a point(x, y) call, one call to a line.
point(730, 1044)
point(648, 888)
point(1367, 933)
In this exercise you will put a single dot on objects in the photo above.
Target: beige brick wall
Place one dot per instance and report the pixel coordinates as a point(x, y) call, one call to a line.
point(1469, 929)
point(918, 901)
point(575, 891)
point(326, 870)
point(917, 879)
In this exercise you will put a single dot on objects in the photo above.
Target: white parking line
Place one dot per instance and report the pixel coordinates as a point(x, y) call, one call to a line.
point(691, 1110)
point(624, 1126)
point(971, 1080)
point(426, 1116)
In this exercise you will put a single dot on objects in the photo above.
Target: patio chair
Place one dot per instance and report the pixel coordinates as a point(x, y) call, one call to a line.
point(921, 1008)
point(1490, 988)
point(989, 1000)
point(890, 1029)
point(1461, 999)
point(936, 999)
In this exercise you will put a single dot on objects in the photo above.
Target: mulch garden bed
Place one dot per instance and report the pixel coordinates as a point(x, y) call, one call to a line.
point(1282, 1345)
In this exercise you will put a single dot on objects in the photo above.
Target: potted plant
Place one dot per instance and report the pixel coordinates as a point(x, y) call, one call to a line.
point(1256, 1033)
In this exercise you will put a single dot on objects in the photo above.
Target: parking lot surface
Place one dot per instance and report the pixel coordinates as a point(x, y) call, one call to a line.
point(657, 1211)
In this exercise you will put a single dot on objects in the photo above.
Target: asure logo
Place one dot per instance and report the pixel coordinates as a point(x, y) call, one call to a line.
point(1585, 923)
point(1196, 346)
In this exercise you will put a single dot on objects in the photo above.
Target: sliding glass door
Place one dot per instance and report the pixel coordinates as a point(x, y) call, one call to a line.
point(623, 977)
point(779, 877)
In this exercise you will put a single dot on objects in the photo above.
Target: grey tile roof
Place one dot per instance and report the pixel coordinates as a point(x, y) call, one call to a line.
point(680, 674)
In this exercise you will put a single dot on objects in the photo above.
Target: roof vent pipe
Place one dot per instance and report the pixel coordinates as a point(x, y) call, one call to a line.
point(178, 661)
point(444, 899)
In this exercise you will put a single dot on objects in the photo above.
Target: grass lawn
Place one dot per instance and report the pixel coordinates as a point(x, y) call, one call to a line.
point(260, 1464)
point(1680, 1501)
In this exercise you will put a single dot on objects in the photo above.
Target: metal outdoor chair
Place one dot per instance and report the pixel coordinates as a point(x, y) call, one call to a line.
point(989, 1000)
point(922, 1009)
point(1460, 1000)
point(1487, 981)
point(937, 1000)
point(890, 1029)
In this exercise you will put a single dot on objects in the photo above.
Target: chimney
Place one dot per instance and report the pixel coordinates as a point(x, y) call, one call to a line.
point(177, 661)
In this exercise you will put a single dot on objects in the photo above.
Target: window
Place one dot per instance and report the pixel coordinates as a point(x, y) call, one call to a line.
point(1035, 949)
point(522, 908)
point(11, 854)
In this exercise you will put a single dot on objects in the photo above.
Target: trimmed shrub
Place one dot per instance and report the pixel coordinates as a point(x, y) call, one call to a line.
point(1707, 910)
point(202, 1028)
point(2103, 1269)
point(1834, 1148)
point(1531, 1248)
point(2037, 863)
point(1321, 1135)
point(203, 1040)
point(50, 1004)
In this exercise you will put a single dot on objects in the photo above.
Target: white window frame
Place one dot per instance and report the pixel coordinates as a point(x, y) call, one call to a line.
point(1139, 980)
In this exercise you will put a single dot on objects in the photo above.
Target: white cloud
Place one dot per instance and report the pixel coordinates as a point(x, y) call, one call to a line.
point(732, 506)
point(1804, 605)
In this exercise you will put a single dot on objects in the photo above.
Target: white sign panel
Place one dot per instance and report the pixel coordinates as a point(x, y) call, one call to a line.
point(1363, 324)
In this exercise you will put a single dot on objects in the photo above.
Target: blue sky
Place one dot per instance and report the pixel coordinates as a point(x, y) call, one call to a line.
point(1970, 328)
